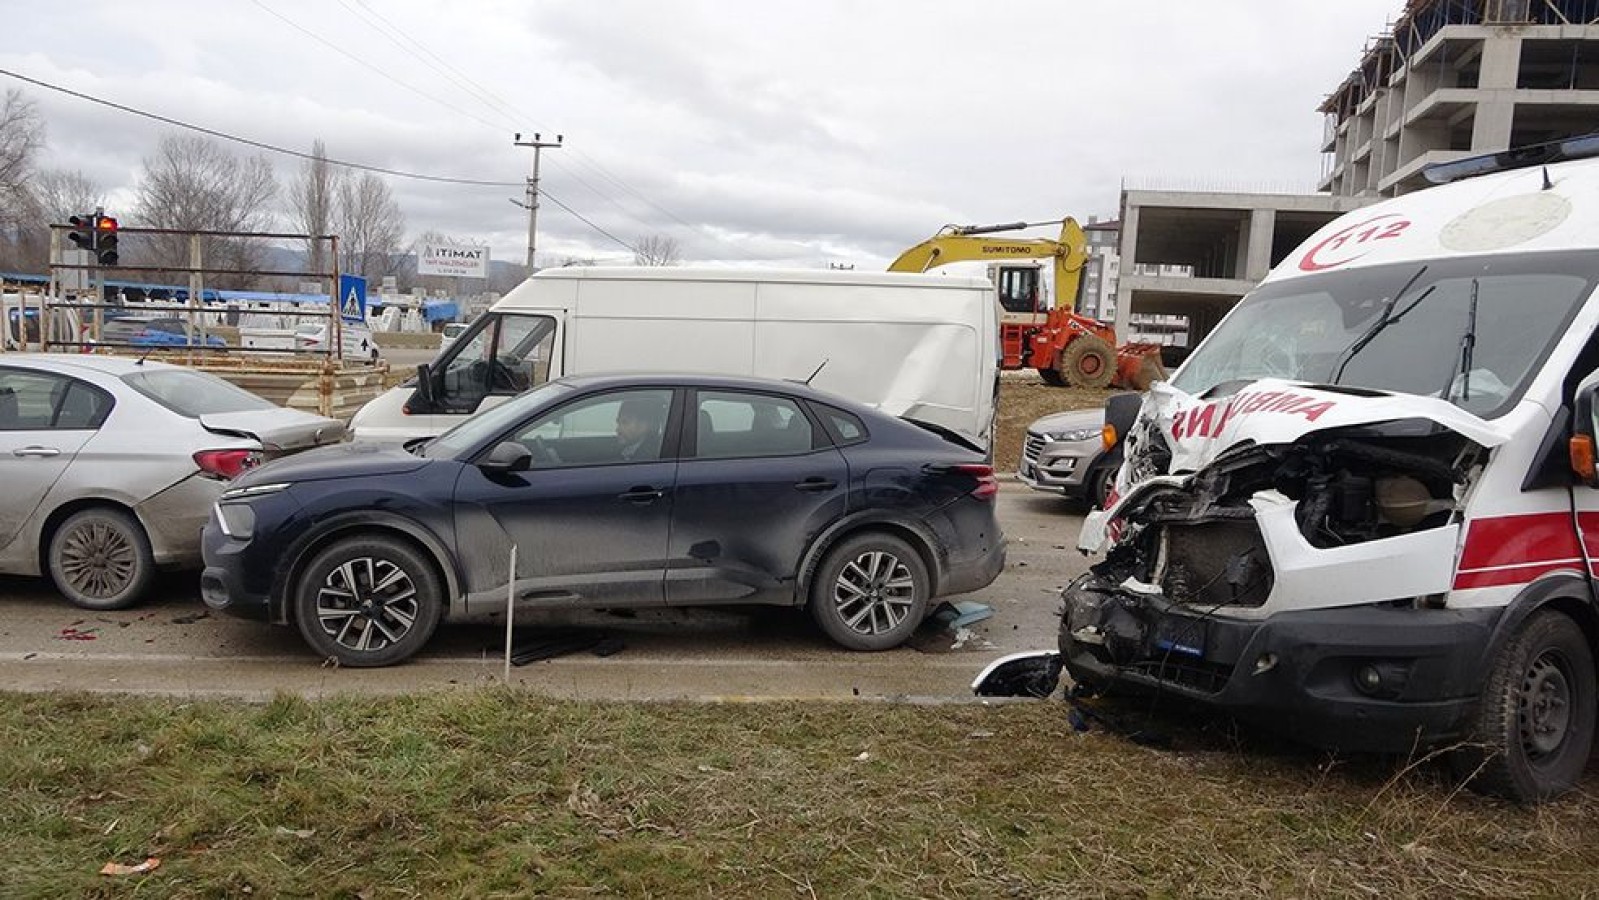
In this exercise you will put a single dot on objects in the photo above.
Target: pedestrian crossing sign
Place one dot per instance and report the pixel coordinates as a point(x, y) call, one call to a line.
point(352, 298)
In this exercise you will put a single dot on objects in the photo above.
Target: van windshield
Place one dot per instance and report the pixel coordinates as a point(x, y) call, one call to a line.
point(1404, 328)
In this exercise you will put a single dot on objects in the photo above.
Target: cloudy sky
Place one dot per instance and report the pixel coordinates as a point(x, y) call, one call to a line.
point(753, 131)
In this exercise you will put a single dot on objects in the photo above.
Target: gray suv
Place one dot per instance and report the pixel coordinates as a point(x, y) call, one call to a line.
point(1064, 453)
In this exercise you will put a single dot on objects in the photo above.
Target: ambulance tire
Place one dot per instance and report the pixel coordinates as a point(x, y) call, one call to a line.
point(1534, 725)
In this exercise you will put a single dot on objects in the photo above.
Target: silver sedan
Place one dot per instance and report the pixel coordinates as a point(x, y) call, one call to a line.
point(110, 466)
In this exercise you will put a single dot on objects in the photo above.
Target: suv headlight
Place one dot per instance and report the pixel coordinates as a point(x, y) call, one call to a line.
point(1073, 434)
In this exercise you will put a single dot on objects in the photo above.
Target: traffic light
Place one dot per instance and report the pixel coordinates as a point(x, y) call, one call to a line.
point(105, 241)
point(83, 231)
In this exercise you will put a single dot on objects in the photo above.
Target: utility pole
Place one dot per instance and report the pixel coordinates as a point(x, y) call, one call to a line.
point(532, 204)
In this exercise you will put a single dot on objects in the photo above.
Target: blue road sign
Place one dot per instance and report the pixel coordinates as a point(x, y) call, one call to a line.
point(352, 298)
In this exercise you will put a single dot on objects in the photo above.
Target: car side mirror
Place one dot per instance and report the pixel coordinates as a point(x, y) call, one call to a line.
point(507, 456)
point(424, 384)
point(1585, 425)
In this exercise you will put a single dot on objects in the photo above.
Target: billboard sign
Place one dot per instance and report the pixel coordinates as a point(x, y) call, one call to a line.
point(453, 260)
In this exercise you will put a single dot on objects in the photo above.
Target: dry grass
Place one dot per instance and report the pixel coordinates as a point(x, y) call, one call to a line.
point(498, 794)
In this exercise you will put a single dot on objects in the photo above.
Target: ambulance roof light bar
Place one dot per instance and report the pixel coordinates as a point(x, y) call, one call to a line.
point(1515, 158)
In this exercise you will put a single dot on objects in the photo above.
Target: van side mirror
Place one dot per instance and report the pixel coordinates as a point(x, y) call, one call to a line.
point(1584, 427)
point(507, 456)
point(424, 385)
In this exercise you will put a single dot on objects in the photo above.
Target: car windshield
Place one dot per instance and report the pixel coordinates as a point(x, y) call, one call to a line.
point(479, 428)
point(194, 394)
point(1472, 329)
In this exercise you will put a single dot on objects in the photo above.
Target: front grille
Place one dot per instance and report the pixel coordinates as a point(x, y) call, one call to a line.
point(1216, 563)
point(1033, 446)
point(1173, 668)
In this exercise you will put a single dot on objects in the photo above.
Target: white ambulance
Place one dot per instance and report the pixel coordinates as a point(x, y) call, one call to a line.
point(1364, 511)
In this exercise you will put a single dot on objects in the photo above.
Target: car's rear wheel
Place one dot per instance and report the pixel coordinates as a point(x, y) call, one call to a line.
point(368, 601)
point(100, 559)
point(871, 592)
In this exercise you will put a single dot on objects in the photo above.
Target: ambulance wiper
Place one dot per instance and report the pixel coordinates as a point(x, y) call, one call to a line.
point(1468, 344)
point(1383, 321)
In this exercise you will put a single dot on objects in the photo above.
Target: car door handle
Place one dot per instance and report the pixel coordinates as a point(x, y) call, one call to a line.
point(641, 494)
point(36, 451)
point(815, 485)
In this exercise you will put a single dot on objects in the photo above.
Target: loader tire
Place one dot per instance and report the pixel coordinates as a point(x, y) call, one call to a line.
point(1052, 377)
point(1088, 362)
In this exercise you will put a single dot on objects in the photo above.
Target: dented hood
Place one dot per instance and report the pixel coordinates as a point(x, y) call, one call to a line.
point(1272, 411)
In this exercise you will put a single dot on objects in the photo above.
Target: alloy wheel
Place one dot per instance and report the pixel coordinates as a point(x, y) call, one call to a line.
point(98, 560)
point(874, 593)
point(367, 604)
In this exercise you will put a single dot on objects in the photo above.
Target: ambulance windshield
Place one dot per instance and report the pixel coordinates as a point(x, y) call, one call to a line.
point(1505, 312)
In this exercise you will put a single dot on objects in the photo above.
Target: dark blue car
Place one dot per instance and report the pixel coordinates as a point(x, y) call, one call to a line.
point(616, 491)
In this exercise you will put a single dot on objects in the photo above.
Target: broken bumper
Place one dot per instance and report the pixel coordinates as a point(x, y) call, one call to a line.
point(1375, 678)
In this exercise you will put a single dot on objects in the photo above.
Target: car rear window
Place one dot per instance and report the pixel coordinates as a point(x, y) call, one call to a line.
point(194, 394)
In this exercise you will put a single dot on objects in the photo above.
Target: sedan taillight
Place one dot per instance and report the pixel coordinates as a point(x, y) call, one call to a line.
point(987, 484)
point(227, 464)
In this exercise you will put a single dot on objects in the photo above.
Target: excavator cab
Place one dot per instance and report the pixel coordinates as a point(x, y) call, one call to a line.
point(1020, 288)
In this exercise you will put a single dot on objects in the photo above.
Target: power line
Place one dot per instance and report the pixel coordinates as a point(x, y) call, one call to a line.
point(397, 173)
point(546, 195)
point(361, 62)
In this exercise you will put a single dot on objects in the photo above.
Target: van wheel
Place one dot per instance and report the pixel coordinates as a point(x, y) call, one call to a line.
point(100, 559)
point(871, 592)
point(1534, 725)
point(368, 601)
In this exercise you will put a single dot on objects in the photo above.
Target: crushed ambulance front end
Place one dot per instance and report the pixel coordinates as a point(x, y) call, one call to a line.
point(1284, 552)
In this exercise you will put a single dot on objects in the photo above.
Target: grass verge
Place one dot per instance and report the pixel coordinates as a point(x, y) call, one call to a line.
point(492, 793)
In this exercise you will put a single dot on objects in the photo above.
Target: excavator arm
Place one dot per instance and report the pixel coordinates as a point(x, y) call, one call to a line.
point(967, 243)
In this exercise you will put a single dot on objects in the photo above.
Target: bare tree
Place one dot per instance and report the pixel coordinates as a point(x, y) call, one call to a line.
point(657, 250)
point(62, 193)
point(371, 228)
point(21, 139)
point(315, 198)
point(192, 184)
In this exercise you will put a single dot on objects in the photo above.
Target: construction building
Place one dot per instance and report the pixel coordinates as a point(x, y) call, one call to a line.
point(1456, 79)
point(1446, 80)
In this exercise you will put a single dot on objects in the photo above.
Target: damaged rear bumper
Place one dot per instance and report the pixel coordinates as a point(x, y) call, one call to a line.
point(1372, 678)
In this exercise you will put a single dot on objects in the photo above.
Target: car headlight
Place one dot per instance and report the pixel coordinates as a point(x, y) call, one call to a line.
point(237, 520)
point(1074, 434)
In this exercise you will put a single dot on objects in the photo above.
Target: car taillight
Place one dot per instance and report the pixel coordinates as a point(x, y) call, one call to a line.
point(228, 464)
point(987, 484)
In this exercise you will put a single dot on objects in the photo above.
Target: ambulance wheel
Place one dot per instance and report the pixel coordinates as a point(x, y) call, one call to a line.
point(1534, 725)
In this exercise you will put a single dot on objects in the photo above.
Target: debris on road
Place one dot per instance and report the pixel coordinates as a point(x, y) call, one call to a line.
point(115, 868)
point(73, 633)
point(191, 618)
point(550, 644)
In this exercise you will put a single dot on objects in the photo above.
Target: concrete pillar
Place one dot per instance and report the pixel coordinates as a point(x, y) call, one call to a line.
point(1501, 61)
point(1257, 251)
point(1129, 255)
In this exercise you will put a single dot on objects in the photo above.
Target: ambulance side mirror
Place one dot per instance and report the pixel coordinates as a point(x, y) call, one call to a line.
point(1584, 428)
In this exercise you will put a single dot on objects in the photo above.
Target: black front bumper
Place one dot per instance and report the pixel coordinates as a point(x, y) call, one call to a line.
point(1386, 678)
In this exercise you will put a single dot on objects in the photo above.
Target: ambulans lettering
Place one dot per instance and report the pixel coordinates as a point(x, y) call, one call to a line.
point(1212, 419)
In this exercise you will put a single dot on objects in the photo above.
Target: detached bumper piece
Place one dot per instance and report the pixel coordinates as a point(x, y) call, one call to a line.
point(1380, 678)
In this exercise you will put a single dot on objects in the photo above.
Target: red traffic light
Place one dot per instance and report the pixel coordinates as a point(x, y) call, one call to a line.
point(83, 231)
point(104, 223)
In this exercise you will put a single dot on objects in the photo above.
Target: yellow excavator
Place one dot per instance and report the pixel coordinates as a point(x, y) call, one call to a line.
point(1065, 348)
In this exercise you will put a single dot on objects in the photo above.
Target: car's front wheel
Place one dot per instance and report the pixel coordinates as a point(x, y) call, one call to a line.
point(368, 601)
point(871, 592)
point(100, 559)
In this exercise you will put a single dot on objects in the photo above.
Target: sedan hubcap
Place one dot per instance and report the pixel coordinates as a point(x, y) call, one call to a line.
point(97, 560)
point(367, 604)
point(1545, 707)
point(874, 593)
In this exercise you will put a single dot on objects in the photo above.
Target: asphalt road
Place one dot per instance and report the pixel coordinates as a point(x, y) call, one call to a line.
point(172, 645)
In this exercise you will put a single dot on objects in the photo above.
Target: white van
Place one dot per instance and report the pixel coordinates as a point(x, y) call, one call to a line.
point(1364, 511)
point(923, 347)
